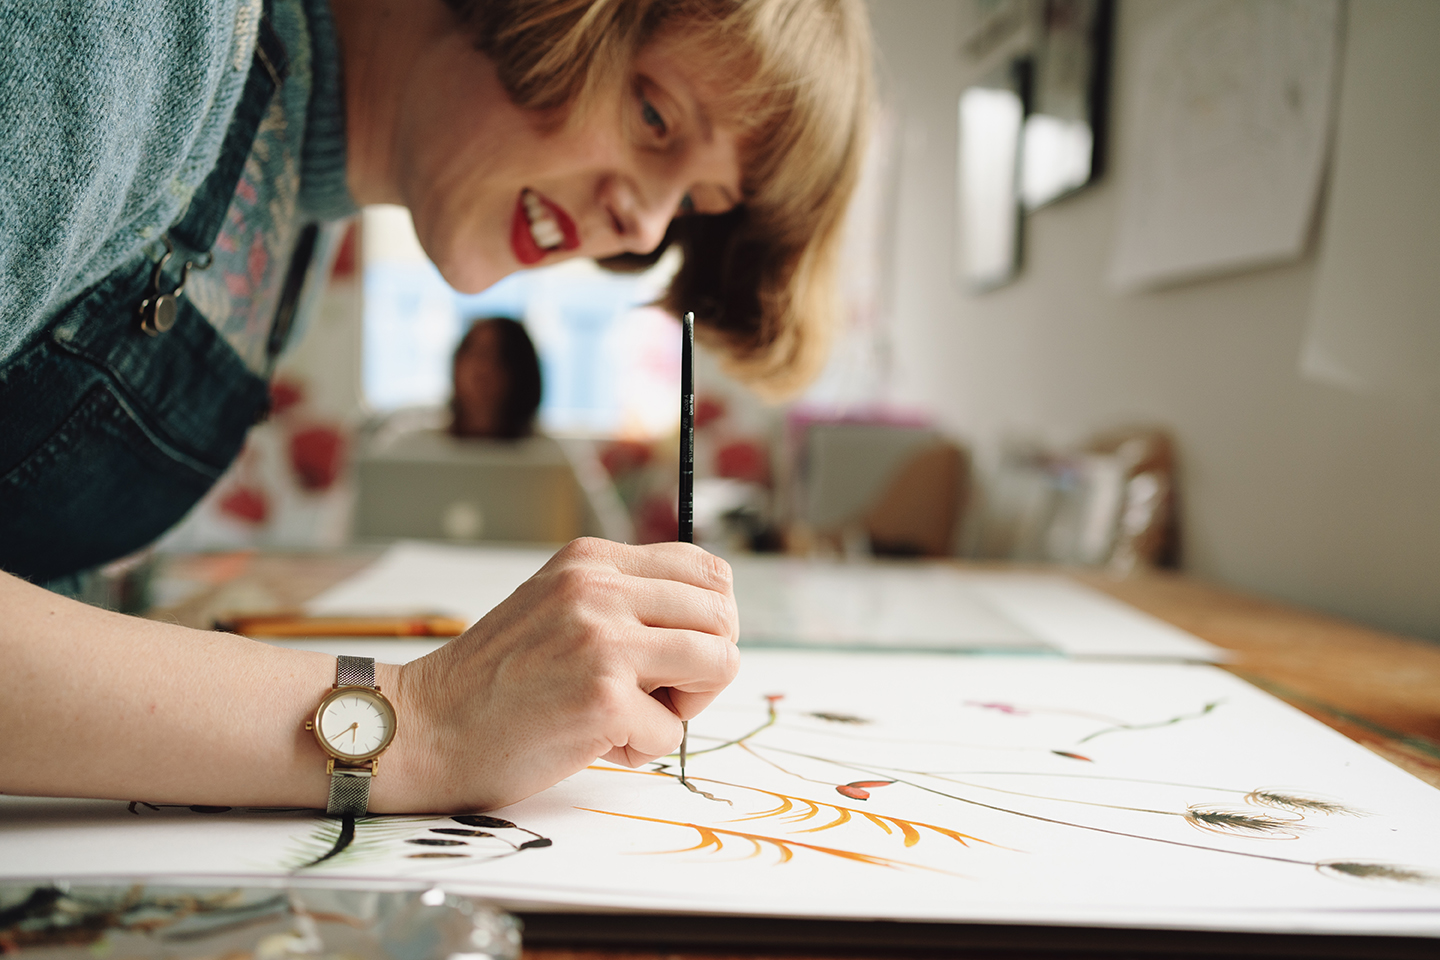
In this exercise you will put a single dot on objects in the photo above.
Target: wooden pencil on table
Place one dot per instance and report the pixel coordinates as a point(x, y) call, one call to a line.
point(299, 625)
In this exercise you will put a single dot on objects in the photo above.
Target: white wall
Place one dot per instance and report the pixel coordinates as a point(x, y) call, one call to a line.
point(1289, 487)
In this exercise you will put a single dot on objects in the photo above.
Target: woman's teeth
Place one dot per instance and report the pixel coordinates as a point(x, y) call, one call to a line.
point(543, 228)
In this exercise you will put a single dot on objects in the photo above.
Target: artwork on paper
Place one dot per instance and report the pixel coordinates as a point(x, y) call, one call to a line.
point(899, 786)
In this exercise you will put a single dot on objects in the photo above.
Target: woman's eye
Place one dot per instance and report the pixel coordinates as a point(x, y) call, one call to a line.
point(652, 117)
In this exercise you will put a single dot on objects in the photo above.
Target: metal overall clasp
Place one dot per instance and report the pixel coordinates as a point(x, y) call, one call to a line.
point(159, 310)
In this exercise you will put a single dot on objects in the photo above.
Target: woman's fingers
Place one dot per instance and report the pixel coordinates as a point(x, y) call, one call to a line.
point(670, 585)
point(651, 731)
point(602, 653)
point(679, 562)
point(685, 661)
point(680, 606)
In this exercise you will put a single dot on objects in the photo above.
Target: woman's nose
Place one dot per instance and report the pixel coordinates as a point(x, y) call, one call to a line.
point(642, 212)
point(652, 224)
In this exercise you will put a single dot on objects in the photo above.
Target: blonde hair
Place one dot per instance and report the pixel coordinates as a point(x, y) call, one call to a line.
point(761, 279)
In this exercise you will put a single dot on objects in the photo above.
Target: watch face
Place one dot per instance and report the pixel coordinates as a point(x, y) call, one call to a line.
point(355, 723)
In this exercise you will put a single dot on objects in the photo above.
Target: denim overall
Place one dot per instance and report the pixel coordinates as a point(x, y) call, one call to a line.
point(109, 434)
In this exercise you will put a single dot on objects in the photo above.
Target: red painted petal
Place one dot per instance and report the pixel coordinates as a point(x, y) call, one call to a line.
point(248, 504)
point(853, 792)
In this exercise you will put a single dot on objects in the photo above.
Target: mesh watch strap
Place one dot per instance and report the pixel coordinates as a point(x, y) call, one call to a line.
point(354, 672)
point(349, 794)
point(350, 789)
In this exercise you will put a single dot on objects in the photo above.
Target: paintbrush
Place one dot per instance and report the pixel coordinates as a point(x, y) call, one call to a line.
point(686, 504)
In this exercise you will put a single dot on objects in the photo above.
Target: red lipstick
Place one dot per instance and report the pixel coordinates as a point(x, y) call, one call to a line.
point(522, 239)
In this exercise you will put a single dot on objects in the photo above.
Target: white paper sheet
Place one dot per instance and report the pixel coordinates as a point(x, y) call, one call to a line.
point(1373, 326)
point(1081, 622)
point(1229, 117)
point(791, 601)
point(906, 786)
point(786, 601)
point(937, 606)
point(413, 577)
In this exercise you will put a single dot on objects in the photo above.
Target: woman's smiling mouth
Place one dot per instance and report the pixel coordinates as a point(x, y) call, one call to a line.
point(539, 227)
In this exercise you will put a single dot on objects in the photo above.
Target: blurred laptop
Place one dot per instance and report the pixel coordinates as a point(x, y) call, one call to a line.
point(426, 484)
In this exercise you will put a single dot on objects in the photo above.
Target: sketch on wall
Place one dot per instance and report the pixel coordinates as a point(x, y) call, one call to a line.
point(1228, 122)
point(907, 787)
point(1372, 328)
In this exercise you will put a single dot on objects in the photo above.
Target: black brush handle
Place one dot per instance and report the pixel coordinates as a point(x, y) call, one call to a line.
point(687, 430)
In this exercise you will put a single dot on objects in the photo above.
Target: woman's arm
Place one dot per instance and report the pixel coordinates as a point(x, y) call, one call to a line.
point(598, 655)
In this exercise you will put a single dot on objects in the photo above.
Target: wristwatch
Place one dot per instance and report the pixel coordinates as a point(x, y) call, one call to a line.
point(353, 725)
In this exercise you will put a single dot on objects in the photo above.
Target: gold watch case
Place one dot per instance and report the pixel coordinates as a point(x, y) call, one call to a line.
point(382, 705)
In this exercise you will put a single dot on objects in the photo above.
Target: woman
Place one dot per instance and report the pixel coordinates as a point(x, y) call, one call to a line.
point(495, 377)
point(161, 218)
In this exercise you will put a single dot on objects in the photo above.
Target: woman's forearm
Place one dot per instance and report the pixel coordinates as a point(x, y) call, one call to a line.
point(601, 654)
point(104, 705)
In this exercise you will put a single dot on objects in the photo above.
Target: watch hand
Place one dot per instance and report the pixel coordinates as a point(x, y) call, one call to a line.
point(350, 730)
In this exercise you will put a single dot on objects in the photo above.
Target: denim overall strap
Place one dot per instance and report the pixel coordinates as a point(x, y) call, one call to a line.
point(205, 215)
point(109, 435)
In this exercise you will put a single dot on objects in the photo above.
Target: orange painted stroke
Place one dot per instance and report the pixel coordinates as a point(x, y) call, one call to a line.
point(710, 837)
point(787, 803)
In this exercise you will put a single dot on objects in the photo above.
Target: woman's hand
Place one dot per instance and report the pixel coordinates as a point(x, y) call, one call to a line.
point(600, 654)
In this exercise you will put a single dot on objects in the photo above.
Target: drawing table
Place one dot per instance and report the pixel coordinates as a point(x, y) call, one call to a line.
point(1378, 689)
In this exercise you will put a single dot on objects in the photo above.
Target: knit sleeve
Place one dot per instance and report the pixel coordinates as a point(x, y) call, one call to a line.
point(111, 114)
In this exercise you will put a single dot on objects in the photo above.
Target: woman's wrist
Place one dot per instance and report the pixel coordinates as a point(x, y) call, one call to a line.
point(409, 771)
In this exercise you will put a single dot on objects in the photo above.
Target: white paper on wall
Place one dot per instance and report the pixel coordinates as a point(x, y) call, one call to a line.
point(786, 601)
point(1226, 125)
point(1374, 326)
point(904, 786)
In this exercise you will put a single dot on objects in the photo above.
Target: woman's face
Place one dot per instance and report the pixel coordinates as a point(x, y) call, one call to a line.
point(492, 191)
point(481, 382)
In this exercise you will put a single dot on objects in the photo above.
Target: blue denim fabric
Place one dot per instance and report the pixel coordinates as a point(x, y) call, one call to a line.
point(109, 435)
point(112, 113)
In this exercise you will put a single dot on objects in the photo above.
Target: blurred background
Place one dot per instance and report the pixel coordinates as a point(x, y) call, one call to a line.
point(1127, 285)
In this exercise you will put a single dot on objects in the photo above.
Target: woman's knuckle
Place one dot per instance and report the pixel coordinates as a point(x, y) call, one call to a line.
point(606, 703)
point(577, 585)
point(604, 636)
point(717, 613)
point(728, 660)
point(720, 570)
point(587, 548)
point(583, 629)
